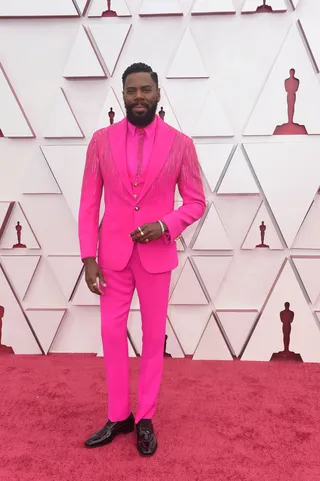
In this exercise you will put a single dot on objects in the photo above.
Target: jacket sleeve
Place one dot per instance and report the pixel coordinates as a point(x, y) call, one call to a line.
point(191, 190)
point(90, 199)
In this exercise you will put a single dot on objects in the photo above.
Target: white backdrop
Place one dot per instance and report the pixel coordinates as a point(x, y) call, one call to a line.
point(222, 68)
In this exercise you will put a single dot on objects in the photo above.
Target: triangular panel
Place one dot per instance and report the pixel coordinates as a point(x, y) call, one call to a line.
point(271, 113)
point(238, 178)
point(67, 164)
point(212, 345)
point(294, 3)
point(236, 213)
point(212, 121)
point(58, 232)
point(62, 122)
point(16, 335)
point(189, 323)
point(310, 32)
point(37, 8)
point(111, 111)
point(45, 323)
point(67, 270)
point(165, 111)
point(6, 208)
point(83, 61)
point(309, 271)
point(79, 331)
point(193, 89)
point(20, 270)
point(211, 7)
point(212, 235)
point(44, 291)
point(13, 121)
point(213, 158)
point(110, 51)
point(308, 236)
point(262, 233)
point(249, 281)
point(39, 178)
point(188, 289)
point(107, 8)
point(187, 62)
point(82, 6)
point(267, 339)
point(160, 8)
point(213, 270)
point(272, 162)
point(18, 233)
point(237, 325)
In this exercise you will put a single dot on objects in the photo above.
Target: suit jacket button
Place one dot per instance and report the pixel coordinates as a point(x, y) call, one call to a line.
point(136, 207)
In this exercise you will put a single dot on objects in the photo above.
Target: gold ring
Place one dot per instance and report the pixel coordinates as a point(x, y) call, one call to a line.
point(94, 285)
point(139, 229)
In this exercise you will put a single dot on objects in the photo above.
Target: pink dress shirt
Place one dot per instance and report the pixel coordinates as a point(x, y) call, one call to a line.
point(133, 146)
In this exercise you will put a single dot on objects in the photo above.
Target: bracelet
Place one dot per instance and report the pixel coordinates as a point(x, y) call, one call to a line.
point(162, 227)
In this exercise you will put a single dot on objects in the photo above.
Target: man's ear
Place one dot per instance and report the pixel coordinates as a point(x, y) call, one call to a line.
point(158, 95)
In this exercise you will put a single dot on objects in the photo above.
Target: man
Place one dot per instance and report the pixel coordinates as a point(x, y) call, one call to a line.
point(139, 161)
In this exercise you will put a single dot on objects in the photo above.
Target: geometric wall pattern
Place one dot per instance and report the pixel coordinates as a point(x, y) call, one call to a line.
point(248, 283)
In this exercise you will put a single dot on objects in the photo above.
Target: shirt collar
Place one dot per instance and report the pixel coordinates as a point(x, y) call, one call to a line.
point(149, 130)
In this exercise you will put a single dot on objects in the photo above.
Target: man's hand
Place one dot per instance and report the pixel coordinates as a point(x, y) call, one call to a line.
point(93, 276)
point(147, 232)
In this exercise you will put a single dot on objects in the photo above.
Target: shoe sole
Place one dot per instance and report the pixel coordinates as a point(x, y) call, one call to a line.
point(109, 440)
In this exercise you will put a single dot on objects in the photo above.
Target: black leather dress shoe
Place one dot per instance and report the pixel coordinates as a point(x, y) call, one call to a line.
point(146, 440)
point(107, 434)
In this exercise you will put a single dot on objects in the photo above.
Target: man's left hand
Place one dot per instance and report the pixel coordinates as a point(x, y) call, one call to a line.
point(147, 233)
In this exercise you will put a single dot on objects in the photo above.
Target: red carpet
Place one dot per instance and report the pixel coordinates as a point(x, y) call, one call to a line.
point(216, 421)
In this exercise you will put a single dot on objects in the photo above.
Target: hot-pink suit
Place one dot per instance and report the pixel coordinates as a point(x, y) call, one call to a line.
point(169, 159)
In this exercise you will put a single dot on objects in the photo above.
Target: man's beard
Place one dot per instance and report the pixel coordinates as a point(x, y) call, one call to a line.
point(141, 120)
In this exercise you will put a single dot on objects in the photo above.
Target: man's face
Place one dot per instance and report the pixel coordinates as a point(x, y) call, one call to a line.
point(141, 97)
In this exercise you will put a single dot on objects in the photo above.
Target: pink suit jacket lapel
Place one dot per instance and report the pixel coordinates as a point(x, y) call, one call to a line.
point(118, 144)
point(163, 140)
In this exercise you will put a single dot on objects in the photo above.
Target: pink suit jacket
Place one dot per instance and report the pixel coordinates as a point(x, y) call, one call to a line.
point(173, 162)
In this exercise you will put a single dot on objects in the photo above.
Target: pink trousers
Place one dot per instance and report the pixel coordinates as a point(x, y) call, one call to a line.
point(153, 293)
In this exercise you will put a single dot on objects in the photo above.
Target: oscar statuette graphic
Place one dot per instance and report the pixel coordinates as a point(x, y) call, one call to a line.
point(291, 128)
point(166, 354)
point(19, 230)
point(286, 317)
point(111, 114)
point(162, 113)
point(3, 349)
point(262, 228)
point(264, 8)
point(109, 12)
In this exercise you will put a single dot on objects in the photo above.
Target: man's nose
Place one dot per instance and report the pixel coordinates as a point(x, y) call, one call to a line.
point(139, 95)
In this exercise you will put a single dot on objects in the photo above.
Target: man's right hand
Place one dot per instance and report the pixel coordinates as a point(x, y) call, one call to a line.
point(93, 276)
